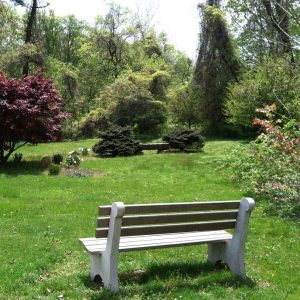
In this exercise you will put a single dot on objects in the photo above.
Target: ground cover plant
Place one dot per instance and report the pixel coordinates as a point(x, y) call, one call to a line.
point(42, 217)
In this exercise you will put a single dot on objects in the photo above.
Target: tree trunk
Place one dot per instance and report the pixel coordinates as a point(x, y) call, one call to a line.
point(213, 3)
point(1, 151)
point(4, 157)
point(29, 29)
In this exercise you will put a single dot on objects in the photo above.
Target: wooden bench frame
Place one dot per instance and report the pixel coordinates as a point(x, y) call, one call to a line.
point(222, 246)
point(156, 146)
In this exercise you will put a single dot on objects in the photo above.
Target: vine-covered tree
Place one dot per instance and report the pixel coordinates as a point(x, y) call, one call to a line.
point(217, 65)
point(30, 112)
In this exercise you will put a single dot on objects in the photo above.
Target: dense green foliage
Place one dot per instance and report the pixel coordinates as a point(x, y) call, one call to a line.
point(117, 141)
point(88, 62)
point(274, 80)
point(129, 102)
point(183, 140)
point(184, 105)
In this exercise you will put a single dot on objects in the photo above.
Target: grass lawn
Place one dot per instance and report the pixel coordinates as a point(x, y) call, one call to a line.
point(42, 217)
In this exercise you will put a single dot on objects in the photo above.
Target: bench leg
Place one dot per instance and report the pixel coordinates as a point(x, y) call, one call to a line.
point(95, 269)
point(216, 252)
point(107, 268)
point(231, 253)
point(235, 259)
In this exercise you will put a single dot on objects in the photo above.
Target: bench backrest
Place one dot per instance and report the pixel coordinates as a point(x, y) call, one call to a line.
point(156, 146)
point(146, 219)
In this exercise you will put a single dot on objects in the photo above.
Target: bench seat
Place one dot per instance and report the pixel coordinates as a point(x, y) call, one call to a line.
point(141, 242)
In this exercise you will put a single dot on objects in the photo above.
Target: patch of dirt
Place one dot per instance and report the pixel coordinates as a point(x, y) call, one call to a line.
point(80, 173)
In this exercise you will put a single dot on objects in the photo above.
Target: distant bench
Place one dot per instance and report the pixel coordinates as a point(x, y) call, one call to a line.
point(156, 146)
point(135, 227)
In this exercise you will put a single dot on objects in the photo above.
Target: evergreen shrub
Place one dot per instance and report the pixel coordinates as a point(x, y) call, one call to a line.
point(117, 141)
point(57, 159)
point(184, 140)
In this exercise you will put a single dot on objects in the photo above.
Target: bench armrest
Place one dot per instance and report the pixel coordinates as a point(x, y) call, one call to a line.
point(117, 209)
point(247, 204)
point(242, 222)
point(115, 224)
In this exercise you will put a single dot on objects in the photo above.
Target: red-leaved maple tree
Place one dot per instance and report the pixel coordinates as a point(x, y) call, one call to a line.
point(30, 112)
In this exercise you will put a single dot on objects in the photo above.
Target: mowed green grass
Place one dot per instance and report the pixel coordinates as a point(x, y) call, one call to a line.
point(42, 217)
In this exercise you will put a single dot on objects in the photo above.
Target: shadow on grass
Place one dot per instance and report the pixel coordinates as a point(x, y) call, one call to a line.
point(187, 151)
point(182, 270)
point(22, 168)
point(154, 280)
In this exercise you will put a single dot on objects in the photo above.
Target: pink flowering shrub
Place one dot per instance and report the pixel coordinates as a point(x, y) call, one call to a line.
point(270, 166)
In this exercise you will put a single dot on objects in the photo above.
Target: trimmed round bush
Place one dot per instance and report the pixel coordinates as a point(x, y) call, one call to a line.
point(118, 141)
point(183, 140)
point(57, 159)
point(54, 170)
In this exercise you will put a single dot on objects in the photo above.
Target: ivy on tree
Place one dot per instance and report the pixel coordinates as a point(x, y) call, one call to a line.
point(217, 65)
point(30, 112)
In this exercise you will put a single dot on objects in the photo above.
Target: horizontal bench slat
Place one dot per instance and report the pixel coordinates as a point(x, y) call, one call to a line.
point(172, 207)
point(156, 146)
point(158, 241)
point(171, 218)
point(159, 229)
point(165, 236)
point(165, 244)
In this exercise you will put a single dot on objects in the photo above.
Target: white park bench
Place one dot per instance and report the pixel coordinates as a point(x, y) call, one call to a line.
point(122, 228)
